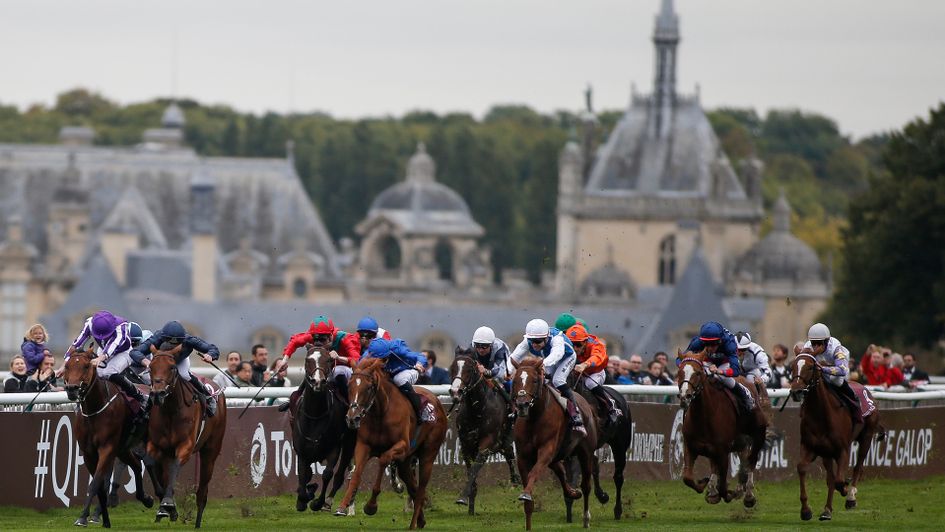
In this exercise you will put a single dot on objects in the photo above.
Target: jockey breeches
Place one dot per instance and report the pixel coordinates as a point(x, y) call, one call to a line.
point(183, 368)
point(116, 364)
point(594, 379)
point(341, 370)
point(560, 371)
point(729, 382)
point(407, 376)
point(835, 380)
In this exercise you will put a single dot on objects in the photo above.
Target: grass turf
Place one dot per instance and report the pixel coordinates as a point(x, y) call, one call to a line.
point(658, 505)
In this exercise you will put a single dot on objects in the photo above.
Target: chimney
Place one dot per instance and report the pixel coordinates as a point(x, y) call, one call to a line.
point(204, 251)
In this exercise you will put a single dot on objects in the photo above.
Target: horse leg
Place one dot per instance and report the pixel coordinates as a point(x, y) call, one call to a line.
point(339, 476)
point(208, 457)
point(331, 462)
point(509, 453)
point(620, 461)
point(599, 492)
point(689, 459)
point(140, 494)
point(589, 467)
point(524, 471)
point(807, 456)
point(570, 494)
point(361, 456)
point(842, 464)
point(727, 494)
point(91, 463)
point(397, 452)
point(831, 470)
point(862, 448)
point(420, 494)
point(472, 473)
point(168, 508)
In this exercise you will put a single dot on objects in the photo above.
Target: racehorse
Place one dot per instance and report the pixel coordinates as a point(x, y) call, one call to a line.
point(543, 436)
point(827, 430)
point(319, 431)
point(102, 431)
point(482, 422)
point(388, 428)
point(713, 427)
point(618, 435)
point(178, 429)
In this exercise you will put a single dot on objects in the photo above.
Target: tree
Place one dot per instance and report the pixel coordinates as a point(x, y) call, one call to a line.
point(891, 287)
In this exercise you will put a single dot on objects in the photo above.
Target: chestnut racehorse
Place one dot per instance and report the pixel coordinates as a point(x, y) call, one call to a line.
point(482, 422)
point(713, 427)
point(389, 429)
point(543, 436)
point(102, 431)
point(178, 429)
point(319, 431)
point(827, 431)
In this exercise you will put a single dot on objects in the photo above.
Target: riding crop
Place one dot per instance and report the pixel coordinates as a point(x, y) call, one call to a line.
point(285, 360)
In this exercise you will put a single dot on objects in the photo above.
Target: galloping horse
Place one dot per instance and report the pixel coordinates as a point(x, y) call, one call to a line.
point(319, 431)
point(482, 422)
point(618, 435)
point(827, 431)
point(102, 431)
point(389, 429)
point(543, 436)
point(712, 427)
point(178, 429)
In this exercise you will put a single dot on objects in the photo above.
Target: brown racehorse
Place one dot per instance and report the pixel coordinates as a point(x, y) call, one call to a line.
point(543, 436)
point(102, 431)
point(713, 427)
point(482, 422)
point(388, 429)
point(827, 431)
point(178, 429)
point(319, 431)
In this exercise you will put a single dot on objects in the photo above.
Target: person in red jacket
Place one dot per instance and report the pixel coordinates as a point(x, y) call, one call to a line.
point(592, 360)
point(873, 366)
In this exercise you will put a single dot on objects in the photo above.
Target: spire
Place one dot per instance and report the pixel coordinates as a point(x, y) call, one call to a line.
point(421, 168)
point(782, 214)
point(665, 39)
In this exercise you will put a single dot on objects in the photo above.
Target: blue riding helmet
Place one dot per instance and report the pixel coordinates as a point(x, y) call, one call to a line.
point(135, 332)
point(174, 331)
point(378, 346)
point(367, 323)
point(711, 331)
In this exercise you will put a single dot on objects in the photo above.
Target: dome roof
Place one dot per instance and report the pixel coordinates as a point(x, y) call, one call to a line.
point(173, 117)
point(780, 255)
point(420, 192)
point(609, 281)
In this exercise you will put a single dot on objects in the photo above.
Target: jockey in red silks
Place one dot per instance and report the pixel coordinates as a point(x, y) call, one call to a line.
point(344, 348)
point(592, 359)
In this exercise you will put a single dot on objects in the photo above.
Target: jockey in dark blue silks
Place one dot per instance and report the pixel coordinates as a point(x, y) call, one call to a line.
point(175, 334)
point(403, 366)
point(721, 351)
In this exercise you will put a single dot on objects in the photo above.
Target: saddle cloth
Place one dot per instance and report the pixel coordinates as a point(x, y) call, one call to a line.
point(867, 406)
point(558, 397)
point(427, 409)
point(133, 403)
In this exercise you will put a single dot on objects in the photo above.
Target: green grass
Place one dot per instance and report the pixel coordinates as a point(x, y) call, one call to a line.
point(661, 505)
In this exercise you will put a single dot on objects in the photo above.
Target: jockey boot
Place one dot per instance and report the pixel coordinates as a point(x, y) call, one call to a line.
point(413, 397)
point(577, 424)
point(847, 392)
point(342, 383)
point(608, 403)
point(745, 397)
point(500, 387)
point(132, 391)
point(210, 400)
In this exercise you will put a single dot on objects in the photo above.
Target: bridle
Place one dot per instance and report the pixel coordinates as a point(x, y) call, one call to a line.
point(357, 409)
point(808, 385)
point(84, 387)
point(466, 388)
point(531, 398)
point(696, 388)
point(171, 381)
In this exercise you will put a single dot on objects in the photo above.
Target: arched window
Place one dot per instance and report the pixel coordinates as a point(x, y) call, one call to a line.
point(390, 253)
point(667, 260)
point(299, 287)
point(443, 255)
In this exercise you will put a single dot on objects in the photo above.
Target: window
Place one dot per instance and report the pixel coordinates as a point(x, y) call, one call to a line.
point(299, 288)
point(12, 315)
point(443, 255)
point(270, 337)
point(390, 253)
point(667, 260)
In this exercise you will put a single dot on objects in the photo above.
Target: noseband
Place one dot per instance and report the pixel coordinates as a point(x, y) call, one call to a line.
point(696, 390)
point(169, 383)
point(808, 386)
point(373, 380)
point(466, 388)
point(533, 397)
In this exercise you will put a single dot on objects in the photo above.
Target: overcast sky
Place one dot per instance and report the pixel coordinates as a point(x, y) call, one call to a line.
point(870, 65)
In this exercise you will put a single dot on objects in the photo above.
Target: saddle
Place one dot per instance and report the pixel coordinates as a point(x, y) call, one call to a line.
point(133, 405)
point(864, 397)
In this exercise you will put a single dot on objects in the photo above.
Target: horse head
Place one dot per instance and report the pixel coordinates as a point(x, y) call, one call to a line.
point(362, 389)
point(691, 377)
point(464, 373)
point(318, 366)
point(163, 369)
point(78, 374)
point(527, 383)
point(805, 374)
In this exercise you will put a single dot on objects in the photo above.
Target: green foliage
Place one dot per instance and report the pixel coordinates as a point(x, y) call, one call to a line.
point(892, 286)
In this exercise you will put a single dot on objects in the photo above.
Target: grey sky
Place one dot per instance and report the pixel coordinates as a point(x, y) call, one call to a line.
point(870, 65)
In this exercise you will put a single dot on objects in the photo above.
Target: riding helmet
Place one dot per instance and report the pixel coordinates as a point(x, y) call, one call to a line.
point(483, 335)
point(537, 328)
point(818, 331)
point(367, 324)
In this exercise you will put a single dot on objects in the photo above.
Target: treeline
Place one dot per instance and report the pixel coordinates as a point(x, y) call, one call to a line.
point(504, 165)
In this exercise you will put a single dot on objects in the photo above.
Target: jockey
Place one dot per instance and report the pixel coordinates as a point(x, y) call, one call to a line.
point(369, 330)
point(344, 347)
point(566, 320)
point(592, 359)
point(559, 358)
point(834, 360)
point(754, 363)
point(113, 336)
point(175, 334)
point(139, 371)
point(491, 356)
point(402, 364)
point(721, 351)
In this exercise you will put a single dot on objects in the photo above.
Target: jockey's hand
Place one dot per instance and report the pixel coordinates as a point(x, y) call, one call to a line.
point(482, 369)
point(711, 368)
point(206, 358)
point(333, 354)
point(580, 367)
point(419, 367)
point(98, 360)
point(146, 362)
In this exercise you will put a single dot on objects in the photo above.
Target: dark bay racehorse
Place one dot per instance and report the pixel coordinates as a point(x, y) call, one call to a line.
point(618, 435)
point(482, 422)
point(713, 427)
point(827, 430)
point(102, 431)
point(389, 429)
point(543, 436)
point(319, 431)
point(178, 429)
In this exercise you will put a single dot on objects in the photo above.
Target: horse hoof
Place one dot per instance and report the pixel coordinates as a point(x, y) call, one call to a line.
point(370, 509)
point(618, 513)
point(806, 515)
point(462, 501)
point(147, 501)
point(750, 502)
point(81, 522)
point(713, 499)
point(95, 519)
point(341, 512)
point(525, 497)
point(317, 505)
point(300, 505)
point(849, 505)
point(825, 516)
point(603, 498)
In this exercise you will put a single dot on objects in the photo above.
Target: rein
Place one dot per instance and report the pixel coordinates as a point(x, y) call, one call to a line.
point(534, 397)
point(85, 387)
point(100, 410)
point(808, 386)
point(696, 390)
point(374, 385)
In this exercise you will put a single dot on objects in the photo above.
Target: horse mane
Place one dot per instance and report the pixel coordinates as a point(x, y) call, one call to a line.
point(531, 362)
point(370, 364)
point(167, 348)
point(463, 352)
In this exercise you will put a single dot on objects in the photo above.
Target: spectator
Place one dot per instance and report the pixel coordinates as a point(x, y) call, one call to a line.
point(233, 359)
point(912, 375)
point(630, 370)
point(433, 374)
point(613, 370)
point(244, 375)
point(44, 378)
point(894, 370)
point(873, 367)
point(780, 371)
point(279, 369)
point(34, 343)
point(260, 365)
point(16, 382)
point(655, 374)
point(669, 370)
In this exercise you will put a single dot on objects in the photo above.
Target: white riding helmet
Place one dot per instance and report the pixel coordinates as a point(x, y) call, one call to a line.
point(818, 331)
point(744, 340)
point(483, 335)
point(536, 328)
